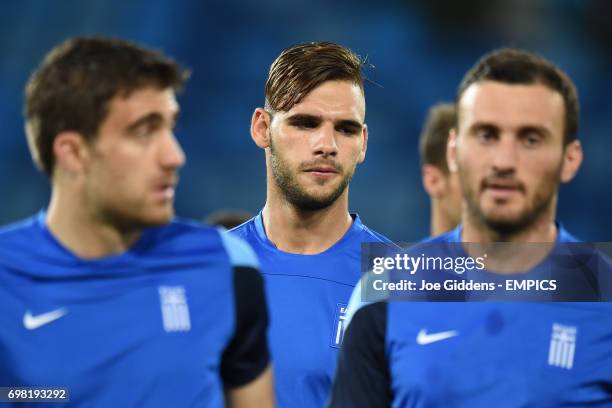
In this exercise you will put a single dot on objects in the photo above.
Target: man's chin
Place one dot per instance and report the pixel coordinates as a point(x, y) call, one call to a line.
point(159, 222)
point(311, 201)
point(506, 223)
point(312, 197)
point(137, 218)
point(157, 218)
point(314, 203)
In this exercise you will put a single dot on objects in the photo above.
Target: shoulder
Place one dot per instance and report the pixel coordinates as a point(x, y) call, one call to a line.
point(186, 225)
point(244, 230)
point(367, 234)
point(186, 234)
point(565, 236)
point(25, 246)
point(450, 236)
point(240, 253)
point(193, 234)
point(361, 297)
point(372, 236)
point(19, 232)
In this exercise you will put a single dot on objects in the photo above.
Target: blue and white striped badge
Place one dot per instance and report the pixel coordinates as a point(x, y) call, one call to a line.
point(339, 325)
point(562, 346)
point(174, 309)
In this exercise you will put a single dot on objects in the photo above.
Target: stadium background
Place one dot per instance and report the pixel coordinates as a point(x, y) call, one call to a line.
point(420, 51)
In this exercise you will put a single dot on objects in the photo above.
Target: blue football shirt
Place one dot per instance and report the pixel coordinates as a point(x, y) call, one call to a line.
point(307, 297)
point(171, 322)
point(487, 354)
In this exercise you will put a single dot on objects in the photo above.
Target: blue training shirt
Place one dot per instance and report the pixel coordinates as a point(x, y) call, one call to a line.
point(487, 354)
point(171, 322)
point(307, 296)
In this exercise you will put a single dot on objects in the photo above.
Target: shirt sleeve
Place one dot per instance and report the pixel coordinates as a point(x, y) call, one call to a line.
point(247, 355)
point(362, 376)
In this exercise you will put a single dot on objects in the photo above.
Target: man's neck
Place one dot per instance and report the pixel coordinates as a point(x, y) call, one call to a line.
point(74, 227)
point(305, 232)
point(440, 221)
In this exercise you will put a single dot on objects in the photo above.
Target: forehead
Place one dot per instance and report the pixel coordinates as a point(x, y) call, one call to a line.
point(142, 102)
point(333, 99)
point(512, 105)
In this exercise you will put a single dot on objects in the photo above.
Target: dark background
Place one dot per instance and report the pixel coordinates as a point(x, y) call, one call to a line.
point(420, 51)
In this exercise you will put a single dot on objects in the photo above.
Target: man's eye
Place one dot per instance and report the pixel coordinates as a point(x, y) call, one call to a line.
point(531, 139)
point(306, 124)
point(486, 135)
point(145, 131)
point(347, 130)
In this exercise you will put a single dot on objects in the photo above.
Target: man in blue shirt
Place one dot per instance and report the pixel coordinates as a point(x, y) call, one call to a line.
point(313, 131)
point(104, 293)
point(515, 142)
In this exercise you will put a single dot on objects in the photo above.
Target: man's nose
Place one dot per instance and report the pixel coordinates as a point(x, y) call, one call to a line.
point(172, 155)
point(325, 141)
point(505, 155)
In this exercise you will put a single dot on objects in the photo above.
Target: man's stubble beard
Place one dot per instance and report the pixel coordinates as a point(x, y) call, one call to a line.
point(127, 219)
point(125, 215)
point(128, 213)
point(528, 216)
point(293, 191)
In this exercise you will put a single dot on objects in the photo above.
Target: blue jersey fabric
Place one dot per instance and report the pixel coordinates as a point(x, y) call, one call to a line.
point(503, 355)
point(481, 354)
point(571, 264)
point(454, 235)
point(307, 297)
point(147, 327)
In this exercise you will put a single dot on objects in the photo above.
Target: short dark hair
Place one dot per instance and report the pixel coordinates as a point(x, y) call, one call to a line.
point(301, 68)
point(440, 120)
point(73, 86)
point(512, 66)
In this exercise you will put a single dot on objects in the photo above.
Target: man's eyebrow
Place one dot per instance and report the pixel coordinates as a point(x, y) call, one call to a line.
point(521, 129)
point(303, 116)
point(349, 123)
point(483, 125)
point(298, 117)
point(153, 118)
point(536, 128)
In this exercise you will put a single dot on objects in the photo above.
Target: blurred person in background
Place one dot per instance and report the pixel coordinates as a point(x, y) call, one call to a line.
point(313, 131)
point(515, 142)
point(441, 185)
point(105, 293)
point(228, 219)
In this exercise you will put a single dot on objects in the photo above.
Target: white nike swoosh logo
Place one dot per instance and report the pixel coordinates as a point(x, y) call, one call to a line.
point(424, 338)
point(34, 322)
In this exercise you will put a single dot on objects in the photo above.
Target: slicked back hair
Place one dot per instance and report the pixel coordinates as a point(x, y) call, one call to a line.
point(301, 68)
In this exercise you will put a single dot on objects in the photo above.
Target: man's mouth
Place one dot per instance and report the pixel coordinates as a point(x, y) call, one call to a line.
point(321, 170)
point(502, 188)
point(166, 190)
